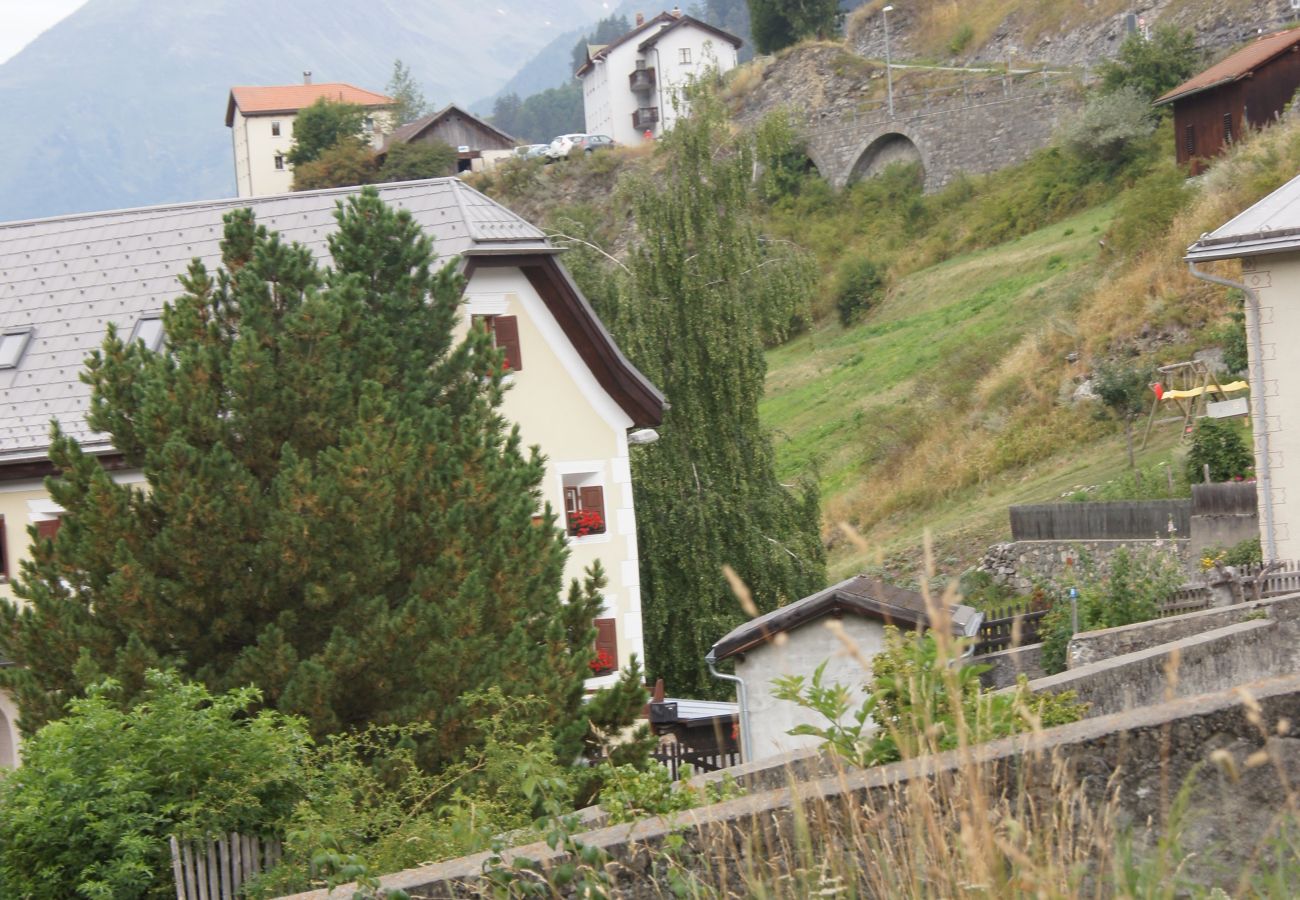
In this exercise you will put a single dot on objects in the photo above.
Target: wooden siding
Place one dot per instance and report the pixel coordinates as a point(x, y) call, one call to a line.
point(457, 131)
point(1254, 101)
point(1116, 521)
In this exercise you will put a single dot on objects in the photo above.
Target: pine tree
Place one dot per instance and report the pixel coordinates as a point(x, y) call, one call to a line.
point(336, 511)
point(691, 318)
point(408, 100)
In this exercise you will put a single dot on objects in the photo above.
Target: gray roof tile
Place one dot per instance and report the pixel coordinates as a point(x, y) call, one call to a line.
point(69, 277)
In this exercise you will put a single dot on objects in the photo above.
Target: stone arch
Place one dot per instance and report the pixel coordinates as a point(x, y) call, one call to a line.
point(883, 151)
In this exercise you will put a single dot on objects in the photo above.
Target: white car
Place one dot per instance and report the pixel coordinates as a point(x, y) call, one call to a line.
point(531, 151)
point(561, 146)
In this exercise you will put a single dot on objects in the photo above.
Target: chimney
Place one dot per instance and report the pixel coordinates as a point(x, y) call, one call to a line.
point(677, 12)
point(640, 20)
point(306, 77)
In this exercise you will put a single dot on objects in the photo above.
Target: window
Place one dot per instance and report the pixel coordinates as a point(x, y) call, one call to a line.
point(1227, 128)
point(684, 55)
point(12, 345)
point(46, 529)
point(606, 648)
point(505, 337)
point(275, 129)
point(1189, 140)
point(640, 65)
point(279, 162)
point(150, 331)
point(368, 124)
point(584, 505)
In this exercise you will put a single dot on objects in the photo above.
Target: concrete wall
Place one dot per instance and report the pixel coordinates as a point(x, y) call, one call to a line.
point(1215, 660)
point(1005, 666)
point(1140, 754)
point(1018, 564)
point(804, 649)
point(1276, 280)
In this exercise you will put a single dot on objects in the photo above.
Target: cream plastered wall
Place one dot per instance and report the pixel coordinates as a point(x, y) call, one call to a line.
point(802, 651)
point(559, 406)
point(256, 148)
point(1275, 382)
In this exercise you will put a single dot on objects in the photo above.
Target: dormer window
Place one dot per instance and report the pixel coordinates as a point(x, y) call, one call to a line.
point(13, 344)
point(149, 330)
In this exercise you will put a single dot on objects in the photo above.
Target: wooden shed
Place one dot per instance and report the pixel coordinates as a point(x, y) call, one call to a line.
point(472, 138)
point(1250, 88)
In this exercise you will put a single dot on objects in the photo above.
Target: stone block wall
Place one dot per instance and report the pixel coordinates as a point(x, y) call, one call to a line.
point(1018, 564)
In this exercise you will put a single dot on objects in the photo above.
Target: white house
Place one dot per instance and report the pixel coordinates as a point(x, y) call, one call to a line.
point(573, 393)
point(261, 120)
point(792, 640)
point(1266, 239)
point(634, 86)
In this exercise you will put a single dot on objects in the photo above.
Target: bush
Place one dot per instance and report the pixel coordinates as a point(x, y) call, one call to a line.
point(1130, 591)
point(1246, 553)
point(1110, 127)
point(632, 793)
point(1145, 211)
point(923, 702)
point(1218, 444)
point(859, 286)
point(100, 791)
point(1152, 67)
point(410, 162)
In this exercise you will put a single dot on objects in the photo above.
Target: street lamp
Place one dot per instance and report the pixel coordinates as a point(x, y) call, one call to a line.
point(889, 72)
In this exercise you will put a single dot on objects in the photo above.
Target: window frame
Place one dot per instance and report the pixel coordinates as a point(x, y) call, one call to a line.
point(275, 129)
point(24, 340)
point(684, 56)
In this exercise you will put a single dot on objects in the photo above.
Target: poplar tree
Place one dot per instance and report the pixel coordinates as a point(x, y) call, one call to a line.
point(336, 510)
point(702, 284)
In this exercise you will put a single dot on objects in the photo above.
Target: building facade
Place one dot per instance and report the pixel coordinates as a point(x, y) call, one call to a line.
point(633, 88)
point(478, 144)
point(261, 120)
point(572, 392)
point(1249, 89)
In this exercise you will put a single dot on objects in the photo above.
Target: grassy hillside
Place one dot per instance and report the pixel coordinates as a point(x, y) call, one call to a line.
point(954, 397)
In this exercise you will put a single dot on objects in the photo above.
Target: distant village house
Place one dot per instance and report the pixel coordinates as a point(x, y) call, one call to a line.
point(1249, 89)
point(261, 120)
point(632, 88)
point(478, 144)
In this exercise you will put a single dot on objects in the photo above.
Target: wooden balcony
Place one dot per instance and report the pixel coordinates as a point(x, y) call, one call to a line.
point(641, 80)
point(646, 117)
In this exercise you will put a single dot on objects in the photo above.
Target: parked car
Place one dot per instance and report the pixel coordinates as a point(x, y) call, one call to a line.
point(531, 151)
point(568, 144)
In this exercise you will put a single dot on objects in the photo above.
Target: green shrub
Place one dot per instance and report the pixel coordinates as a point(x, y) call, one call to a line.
point(1129, 591)
point(100, 791)
point(1147, 209)
point(632, 793)
point(1111, 127)
point(859, 286)
point(1218, 443)
point(961, 38)
point(1246, 553)
point(922, 701)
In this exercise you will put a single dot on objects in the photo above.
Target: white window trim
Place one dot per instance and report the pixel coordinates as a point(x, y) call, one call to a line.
point(25, 334)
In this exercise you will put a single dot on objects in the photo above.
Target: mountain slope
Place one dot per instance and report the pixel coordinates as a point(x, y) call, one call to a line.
point(123, 102)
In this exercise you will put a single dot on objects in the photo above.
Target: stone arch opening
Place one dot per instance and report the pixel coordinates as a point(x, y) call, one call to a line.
point(885, 151)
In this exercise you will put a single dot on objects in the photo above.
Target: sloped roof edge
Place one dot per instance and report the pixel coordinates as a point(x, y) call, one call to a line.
point(1235, 67)
point(412, 130)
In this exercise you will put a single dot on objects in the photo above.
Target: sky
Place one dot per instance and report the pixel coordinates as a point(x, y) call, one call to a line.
point(22, 20)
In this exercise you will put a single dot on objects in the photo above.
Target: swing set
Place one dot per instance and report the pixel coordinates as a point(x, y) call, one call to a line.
point(1189, 387)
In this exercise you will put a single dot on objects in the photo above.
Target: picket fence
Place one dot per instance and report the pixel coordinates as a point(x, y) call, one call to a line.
point(216, 868)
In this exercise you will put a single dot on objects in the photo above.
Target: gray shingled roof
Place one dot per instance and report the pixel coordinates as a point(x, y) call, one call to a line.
point(1270, 226)
point(69, 277)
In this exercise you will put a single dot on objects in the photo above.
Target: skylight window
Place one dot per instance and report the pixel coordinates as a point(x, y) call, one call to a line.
point(12, 345)
point(149, 330)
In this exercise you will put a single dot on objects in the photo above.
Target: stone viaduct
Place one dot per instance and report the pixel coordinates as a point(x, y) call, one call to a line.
point(972, 128)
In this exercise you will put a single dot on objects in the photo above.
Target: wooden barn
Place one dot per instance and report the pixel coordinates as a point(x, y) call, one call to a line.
point(476, 141)
point(1249, 89)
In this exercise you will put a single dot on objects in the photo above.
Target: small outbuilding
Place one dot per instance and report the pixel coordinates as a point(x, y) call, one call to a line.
point(1249, 89)
point(478, 144)
point(864, 606)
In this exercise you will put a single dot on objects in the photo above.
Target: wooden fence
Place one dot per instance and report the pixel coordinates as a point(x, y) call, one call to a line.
point(1189, 598)
point(216, 868)
point(1123, 520)
point(1010, 625)
point(675, 755)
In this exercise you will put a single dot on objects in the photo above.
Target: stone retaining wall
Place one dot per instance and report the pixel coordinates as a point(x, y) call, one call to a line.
point(1142, 753)
point(1018, 564)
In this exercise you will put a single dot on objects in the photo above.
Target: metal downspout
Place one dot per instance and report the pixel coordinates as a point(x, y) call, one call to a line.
point(1258, 406)
point(742, 696)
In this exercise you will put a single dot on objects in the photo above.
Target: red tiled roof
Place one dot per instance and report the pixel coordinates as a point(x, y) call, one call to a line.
point(1236, 66)
point(253, 101)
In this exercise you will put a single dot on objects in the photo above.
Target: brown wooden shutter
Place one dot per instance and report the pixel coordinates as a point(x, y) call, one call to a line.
point(607, 639)
point(593, 498)
point(4, 551)
point(48, 528)
point(506, 329)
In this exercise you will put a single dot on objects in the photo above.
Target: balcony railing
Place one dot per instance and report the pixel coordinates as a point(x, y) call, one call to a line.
point(641, 80)
point(646, 117)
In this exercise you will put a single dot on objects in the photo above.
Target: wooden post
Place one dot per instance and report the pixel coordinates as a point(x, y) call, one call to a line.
point(1206, 469)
